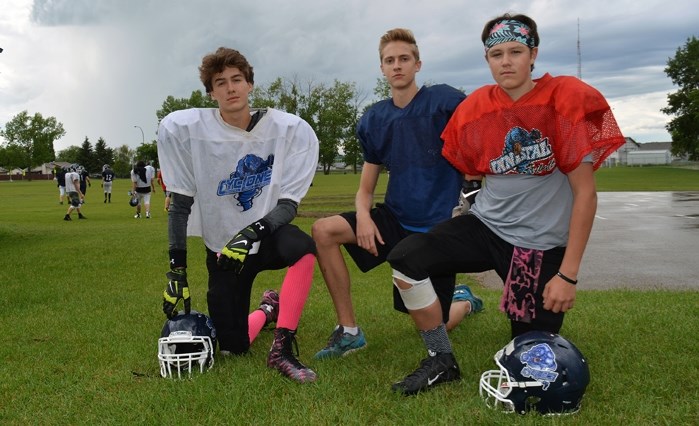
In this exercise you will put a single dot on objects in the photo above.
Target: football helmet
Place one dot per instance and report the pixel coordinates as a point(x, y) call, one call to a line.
point(539, 371)
point(133, 200)
point(187, 341)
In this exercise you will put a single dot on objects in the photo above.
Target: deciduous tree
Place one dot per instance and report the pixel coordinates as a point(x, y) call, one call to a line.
point(123, 158)
point(147, 151)
point(33, 136)
point(197, 99)
point(683, 104)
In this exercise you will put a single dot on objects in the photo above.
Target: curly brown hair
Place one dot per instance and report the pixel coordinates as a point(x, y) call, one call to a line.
point(223, 58)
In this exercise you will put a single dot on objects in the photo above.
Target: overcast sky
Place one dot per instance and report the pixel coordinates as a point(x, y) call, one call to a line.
point(102, 67)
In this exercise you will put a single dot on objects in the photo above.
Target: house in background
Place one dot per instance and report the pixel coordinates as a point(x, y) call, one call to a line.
point(45, 171)
point(621, 155)
point(633, 153)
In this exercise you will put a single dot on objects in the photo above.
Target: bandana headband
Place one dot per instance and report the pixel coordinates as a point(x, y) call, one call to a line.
point(509, 30)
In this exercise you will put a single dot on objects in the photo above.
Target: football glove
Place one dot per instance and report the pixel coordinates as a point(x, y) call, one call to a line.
point(177, 289)
point(233, 255)
point(467, 197)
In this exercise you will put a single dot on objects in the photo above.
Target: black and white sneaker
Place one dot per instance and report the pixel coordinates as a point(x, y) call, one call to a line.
point(434, 370)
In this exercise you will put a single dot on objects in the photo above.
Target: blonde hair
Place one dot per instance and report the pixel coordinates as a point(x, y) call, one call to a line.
point(399, 34)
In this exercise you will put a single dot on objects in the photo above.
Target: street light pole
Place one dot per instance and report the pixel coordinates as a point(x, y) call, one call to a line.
point(143, 137)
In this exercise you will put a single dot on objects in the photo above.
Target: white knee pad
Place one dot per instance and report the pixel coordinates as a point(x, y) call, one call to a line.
point(420, 294)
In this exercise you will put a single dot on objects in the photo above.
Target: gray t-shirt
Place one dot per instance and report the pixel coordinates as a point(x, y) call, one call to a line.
point(525, 210)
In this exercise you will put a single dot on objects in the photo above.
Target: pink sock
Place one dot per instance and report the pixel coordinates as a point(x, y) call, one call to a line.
point(256, 320)
point(294, 292)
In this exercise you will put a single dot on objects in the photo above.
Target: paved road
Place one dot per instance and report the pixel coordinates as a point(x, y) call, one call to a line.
point(644, 240)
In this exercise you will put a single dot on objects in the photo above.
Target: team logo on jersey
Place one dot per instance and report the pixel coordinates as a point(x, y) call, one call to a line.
point(540, 364)
point(248, 180)
point(524, 153)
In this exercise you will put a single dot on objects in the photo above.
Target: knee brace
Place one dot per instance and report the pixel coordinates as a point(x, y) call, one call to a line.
point(420, 295)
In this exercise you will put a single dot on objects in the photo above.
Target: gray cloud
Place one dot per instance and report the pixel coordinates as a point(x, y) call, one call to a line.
point(70, 12)
point(103, 66)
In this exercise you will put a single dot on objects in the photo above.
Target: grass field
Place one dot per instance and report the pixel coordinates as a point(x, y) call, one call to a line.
point(81, 314)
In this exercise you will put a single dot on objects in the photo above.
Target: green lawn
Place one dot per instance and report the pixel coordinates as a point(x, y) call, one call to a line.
point(81, 314)
point(648, 178)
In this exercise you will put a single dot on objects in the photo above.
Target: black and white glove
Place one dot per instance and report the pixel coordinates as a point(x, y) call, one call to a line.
point(177, 289)
point(467, 197)
point(233, 255)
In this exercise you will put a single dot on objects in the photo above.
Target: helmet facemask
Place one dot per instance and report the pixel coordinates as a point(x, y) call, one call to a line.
point(496, 386)
point(538, 371)
point(181, 352)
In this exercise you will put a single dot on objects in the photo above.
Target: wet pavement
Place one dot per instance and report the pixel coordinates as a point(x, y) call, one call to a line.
point(643, 240)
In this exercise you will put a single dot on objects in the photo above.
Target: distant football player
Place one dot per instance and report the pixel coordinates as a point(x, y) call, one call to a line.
point(142, 185)
point(73, 192)
point(107, 179)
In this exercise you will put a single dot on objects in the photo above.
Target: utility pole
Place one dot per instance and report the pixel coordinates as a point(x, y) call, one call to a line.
point(579, 56)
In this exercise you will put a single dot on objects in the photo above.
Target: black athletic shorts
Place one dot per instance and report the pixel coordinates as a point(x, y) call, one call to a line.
point(464, 244)
point(392, 233)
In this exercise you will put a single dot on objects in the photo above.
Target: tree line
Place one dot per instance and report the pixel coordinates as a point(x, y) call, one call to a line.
point(333, 110)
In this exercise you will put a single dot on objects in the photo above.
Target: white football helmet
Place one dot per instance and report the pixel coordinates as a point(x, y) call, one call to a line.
point(187, 342)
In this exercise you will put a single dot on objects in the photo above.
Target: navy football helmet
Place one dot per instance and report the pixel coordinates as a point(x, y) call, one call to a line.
point(133, 200)
point(539, 371)
point(187, 341)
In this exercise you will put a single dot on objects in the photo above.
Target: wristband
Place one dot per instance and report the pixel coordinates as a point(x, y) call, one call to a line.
point(178, 258)
point(566, 279)
point(471, 185)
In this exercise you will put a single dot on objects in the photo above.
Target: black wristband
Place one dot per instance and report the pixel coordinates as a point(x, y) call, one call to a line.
point(178, 258)
point(471, 185)
point(566, 279)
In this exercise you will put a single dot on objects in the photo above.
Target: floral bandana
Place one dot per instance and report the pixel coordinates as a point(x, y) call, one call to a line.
point(509, 30)
point(519, 298)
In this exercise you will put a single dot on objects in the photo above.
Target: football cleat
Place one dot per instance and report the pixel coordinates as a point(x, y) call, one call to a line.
point(281, 357)
point(434, 370)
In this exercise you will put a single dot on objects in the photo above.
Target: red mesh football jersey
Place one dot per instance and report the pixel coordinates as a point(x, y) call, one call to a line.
point(556, 124)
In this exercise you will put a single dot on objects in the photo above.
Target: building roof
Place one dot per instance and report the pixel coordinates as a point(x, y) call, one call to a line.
point(654, 146)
